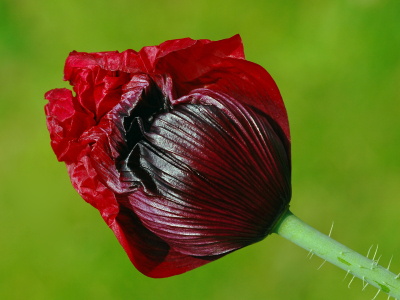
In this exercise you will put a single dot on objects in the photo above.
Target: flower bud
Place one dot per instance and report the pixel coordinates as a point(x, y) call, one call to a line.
point(184, 148)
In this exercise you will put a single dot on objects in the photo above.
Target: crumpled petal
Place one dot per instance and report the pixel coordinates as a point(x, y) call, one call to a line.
point(66, 122)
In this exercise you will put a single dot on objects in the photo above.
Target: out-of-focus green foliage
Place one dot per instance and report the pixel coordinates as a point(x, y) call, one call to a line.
point(337, 64)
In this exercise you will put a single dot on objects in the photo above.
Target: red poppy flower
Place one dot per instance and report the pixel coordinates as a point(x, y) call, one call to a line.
point(184, 148)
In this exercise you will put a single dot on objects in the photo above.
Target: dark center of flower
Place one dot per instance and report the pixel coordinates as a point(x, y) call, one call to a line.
point(137, 120)
point(151, 103)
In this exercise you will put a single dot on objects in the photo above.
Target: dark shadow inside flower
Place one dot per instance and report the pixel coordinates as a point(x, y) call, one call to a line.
point(133, 117)
point(152, 102)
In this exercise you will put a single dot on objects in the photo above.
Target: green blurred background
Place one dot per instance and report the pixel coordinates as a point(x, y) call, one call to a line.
point(337, 64)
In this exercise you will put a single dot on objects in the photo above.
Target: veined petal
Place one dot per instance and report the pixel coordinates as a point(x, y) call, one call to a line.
point(220, 181)
point(201, 66)
point(149, 253)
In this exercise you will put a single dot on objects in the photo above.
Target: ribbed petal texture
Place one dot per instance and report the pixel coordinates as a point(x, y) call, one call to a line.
point(220, 181)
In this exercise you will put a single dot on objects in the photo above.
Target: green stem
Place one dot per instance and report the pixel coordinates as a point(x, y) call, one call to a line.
point(298, 232)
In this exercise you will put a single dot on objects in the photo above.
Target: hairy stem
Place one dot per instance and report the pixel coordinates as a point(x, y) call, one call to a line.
point(298, 232)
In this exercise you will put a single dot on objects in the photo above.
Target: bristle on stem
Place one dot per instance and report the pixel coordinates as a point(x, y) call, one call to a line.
point(298, 232)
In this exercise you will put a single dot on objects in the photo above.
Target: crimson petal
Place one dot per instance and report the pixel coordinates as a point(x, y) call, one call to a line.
point(149, 253)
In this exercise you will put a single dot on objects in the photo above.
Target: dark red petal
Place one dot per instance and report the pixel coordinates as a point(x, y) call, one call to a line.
point(271, 111)
point(222, 179)
point(148, 252)
point(98, 80)
point(232, 47)
point(66, 123)
point(191, 63)
point(251, 84)
point(84, 178)
point(150, 54)
point(101, 157)
point(202, 66)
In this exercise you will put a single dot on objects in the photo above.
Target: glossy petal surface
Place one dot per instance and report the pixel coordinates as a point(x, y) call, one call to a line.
point(220, 181)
